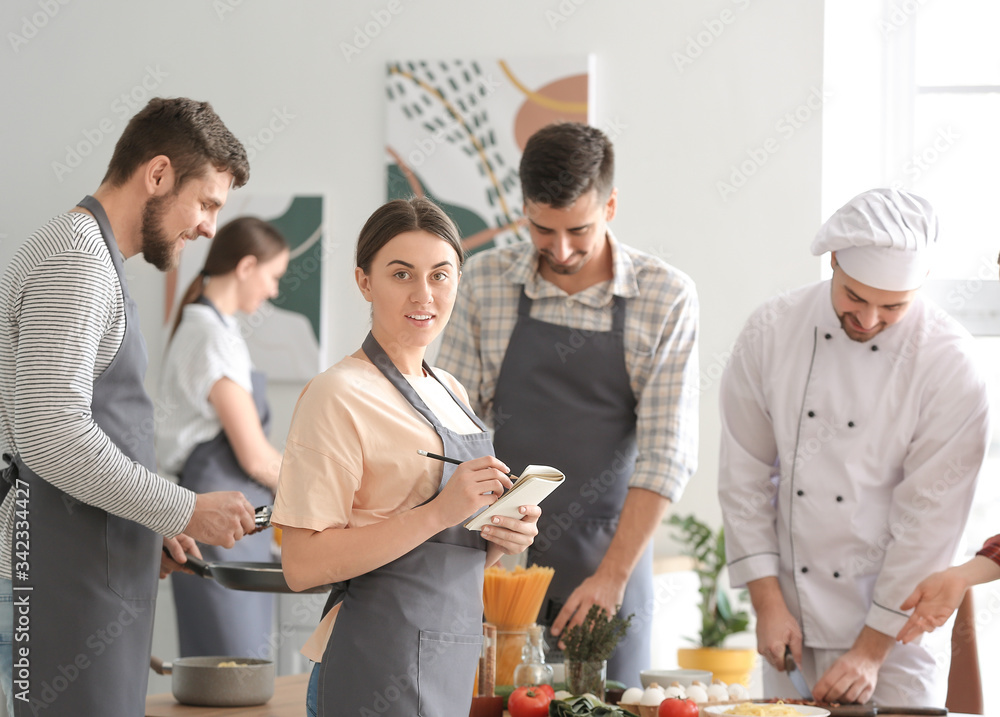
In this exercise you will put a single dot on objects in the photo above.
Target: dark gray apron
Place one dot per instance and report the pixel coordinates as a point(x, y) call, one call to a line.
point(563, 398)
point(92, 577)
point(211, 619)
point(408, 636)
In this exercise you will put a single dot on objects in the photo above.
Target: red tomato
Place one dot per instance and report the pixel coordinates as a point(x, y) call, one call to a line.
point(530, 701)
point(676, 707)
point(547, 689)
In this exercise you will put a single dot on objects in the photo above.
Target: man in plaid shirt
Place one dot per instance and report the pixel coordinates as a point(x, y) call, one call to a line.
point(582, 353)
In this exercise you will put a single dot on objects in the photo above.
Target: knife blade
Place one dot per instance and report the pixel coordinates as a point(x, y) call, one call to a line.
point(795, 675)
point(851, 709)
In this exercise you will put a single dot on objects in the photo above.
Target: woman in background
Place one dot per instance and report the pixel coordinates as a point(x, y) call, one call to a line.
point(360, 508)
point(213, 435)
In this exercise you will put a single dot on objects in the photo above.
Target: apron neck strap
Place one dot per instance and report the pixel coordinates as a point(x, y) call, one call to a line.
point(618, 313)
point(377, 355)
point(374, 351)
point(205, 301)
point(104, 224)
point(523, 305)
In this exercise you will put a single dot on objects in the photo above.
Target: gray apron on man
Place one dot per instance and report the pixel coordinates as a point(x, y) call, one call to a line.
point(563, 398)
point(211, 619)
point(91, 577)
point(408, 636)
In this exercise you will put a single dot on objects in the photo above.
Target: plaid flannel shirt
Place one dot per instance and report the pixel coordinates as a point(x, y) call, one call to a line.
point(991, 549)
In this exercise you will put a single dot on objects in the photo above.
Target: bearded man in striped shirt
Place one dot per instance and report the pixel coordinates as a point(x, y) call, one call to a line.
point(85, 515)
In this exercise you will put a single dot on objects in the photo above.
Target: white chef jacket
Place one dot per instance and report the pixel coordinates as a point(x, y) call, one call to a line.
point(847, 469)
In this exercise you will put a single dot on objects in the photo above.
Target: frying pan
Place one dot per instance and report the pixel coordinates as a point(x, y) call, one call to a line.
point(201, 682)
point(255, 577)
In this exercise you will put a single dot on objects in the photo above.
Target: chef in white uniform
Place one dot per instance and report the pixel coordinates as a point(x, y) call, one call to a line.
point(854, 426)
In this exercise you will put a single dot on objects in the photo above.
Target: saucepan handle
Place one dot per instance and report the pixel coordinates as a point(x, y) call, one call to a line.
point(160, 667)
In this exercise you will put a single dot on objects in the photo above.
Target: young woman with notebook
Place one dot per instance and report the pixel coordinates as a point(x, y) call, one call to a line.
point(361, 509)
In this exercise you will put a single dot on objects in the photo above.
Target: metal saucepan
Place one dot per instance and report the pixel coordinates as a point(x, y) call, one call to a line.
point(201, 682)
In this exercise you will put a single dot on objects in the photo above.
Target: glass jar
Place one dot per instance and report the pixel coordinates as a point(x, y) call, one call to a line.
point(533, 670)
point(584, 676)
point(510, 646)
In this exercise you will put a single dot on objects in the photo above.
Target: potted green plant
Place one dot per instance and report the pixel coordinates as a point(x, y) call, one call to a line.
point(719, 620)
point(588, 647)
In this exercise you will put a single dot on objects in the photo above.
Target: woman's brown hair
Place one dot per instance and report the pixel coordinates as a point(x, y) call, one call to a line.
point(245, 236)
point(400, 216)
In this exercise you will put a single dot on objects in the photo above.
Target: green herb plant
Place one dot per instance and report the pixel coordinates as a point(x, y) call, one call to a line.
point(708, 548)
point(595, 638)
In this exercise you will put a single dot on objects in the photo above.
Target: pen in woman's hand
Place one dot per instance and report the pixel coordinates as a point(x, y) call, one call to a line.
point(457, 462)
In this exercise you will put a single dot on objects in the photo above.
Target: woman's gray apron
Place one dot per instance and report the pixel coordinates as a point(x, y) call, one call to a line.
point(92, 577)
point(408, 636)
point(563, 398)
point(211, 619)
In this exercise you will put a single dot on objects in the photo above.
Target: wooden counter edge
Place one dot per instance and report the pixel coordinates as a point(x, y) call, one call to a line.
point(289, 700)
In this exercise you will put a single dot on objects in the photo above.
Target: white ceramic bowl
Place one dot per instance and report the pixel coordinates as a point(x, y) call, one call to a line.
point(664, 678)
point(802, 709)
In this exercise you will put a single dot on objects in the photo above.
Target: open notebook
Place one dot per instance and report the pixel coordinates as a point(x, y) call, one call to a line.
point(535, 483)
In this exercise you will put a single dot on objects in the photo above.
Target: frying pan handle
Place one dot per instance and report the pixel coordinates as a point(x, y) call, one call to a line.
point(160, 667)
point(197, 565)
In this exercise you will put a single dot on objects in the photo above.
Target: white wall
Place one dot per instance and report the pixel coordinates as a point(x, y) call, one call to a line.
point(683, 130)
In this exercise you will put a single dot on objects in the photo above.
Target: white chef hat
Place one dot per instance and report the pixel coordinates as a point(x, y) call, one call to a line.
point(883, 238)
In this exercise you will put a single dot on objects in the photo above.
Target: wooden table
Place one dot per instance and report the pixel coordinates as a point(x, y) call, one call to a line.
point(289, 701)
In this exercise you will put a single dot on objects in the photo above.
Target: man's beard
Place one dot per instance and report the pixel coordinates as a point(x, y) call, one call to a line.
point(157, 248)
point(853, 334)
point(564, 269)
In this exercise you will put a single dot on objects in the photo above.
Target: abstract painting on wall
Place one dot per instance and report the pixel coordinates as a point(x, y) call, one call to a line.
point(285, 334)
point(456, 130)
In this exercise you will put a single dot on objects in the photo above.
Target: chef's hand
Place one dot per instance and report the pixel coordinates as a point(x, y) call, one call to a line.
point(464, 493)
point(852, 678)
point(776, 626)
point(512, 535)
point(221, 518)
point(175, 561)
point(599, 589)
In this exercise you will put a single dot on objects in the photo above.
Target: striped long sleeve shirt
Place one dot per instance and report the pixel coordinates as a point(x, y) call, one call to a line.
point(62, 320)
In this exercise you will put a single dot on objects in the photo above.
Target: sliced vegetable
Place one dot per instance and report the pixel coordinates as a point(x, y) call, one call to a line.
point(585, 706)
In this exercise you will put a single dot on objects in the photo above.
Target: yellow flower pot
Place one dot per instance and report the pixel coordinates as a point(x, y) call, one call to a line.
point(728, 665)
